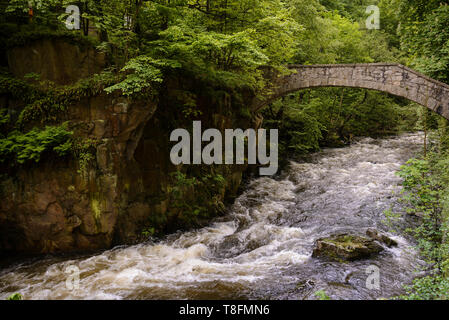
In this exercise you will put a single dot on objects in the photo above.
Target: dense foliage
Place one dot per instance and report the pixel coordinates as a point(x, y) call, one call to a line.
point(426, 193)
point(424, 39)
point(225, 42)
point(20, 147)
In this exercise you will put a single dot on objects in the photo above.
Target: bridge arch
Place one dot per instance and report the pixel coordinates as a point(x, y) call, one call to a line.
point(392, 78)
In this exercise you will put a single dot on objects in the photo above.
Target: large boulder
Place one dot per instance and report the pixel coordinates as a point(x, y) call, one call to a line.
point(376, 235)
point(345, 247)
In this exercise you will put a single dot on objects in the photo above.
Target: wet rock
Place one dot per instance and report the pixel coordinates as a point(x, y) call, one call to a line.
point(374, 234)
point(346, 247)
point(57, 60)
point(73, 222)
point(99, 128)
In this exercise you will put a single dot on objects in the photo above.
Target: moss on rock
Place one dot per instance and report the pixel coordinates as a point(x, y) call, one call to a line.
point(346, 247)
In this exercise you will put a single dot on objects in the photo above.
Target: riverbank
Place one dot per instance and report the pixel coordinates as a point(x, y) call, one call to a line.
point(425, 182)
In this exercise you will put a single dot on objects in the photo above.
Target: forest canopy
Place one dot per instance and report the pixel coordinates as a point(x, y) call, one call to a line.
point(225, 43)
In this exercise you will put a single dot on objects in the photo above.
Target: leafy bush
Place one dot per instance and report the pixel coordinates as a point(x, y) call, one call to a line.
point(428, 288)
point(23, 147)
point(196, 198)
point(16, 88)
point(143, 74)
point(426, 187)
point(15, 296)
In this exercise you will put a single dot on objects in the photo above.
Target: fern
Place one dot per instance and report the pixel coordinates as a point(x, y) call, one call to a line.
point(23, 147)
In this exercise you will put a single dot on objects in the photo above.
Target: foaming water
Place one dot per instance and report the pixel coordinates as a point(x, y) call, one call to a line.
point(262, 248)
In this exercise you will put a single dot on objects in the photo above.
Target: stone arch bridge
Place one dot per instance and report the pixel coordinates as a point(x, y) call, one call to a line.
point(392, 78)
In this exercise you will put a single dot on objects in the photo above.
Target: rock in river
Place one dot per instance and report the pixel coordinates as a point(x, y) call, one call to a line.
point(346, 247)
point(374, 234)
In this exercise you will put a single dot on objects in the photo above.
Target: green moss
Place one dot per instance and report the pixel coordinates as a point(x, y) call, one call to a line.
point(347, 241)
point(95, 205)
point(322, 295)
point(51, 105)
point(84, 150)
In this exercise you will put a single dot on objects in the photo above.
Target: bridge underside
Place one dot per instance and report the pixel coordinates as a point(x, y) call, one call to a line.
point(395, 79)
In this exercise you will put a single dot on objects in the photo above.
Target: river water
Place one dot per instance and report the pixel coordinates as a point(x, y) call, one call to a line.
point(262, 249)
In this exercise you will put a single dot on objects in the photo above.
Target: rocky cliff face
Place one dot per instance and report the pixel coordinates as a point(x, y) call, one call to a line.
point(127, 187)
point(58, 61)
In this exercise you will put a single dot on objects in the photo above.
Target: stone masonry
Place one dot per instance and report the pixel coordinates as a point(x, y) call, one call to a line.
point(392, 78)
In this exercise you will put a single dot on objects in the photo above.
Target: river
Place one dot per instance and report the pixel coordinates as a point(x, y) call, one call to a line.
point(262, 248)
